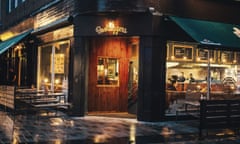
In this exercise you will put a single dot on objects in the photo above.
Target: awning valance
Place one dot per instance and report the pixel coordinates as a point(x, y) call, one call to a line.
point(210, 33)
point(5, 45)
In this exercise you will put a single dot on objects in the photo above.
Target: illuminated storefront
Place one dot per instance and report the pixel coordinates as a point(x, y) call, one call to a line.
point(115, 56)
point(53, 65)
point(53, 57)
point(97, 57)
point(205, 69)
point(111, 62)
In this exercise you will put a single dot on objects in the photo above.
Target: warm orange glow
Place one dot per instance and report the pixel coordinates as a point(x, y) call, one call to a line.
point(18, 47)
point(132, 133)
point(111, 25)
point(6, 36)
point(57, 81)
point(198, 87)
point(45, 80)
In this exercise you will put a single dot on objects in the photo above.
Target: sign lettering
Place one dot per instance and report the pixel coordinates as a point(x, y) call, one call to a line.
point(115, 30)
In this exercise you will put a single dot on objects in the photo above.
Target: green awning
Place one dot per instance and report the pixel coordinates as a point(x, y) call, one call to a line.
point(210, 33)
point(5, 45)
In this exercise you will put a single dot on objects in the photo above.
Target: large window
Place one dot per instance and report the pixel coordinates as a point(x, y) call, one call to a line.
point(53, 66)
point(107, 71)
point(195, 73)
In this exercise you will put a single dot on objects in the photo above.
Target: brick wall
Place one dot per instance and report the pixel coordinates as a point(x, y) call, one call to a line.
point(30, 9)
point(52, 14)
point(220, 10)
point(23, 11)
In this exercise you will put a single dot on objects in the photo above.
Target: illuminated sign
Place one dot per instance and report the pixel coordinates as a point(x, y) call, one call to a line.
point(236, 31)
point(110, 27)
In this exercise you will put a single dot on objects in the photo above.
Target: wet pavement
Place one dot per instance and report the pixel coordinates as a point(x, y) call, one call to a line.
point(48, 128)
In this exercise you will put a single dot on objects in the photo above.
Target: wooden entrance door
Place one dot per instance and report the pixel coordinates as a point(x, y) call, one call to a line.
point(109, 98)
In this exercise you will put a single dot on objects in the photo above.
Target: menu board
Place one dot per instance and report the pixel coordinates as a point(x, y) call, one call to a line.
point(202, 55)
point(227, 56)
point(183, 52)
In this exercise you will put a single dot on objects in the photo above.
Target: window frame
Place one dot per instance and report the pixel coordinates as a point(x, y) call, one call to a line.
point(116, 70)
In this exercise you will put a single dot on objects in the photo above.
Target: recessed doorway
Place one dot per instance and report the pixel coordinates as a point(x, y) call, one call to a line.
point(113, 75)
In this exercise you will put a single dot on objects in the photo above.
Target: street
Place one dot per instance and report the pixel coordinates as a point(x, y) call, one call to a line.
point(60, 129)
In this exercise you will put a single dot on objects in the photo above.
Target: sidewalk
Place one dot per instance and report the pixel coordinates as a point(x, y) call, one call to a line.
point(99, 129)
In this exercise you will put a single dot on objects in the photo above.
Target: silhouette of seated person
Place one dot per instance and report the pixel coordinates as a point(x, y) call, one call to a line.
point(191, 78)
point(172, 86)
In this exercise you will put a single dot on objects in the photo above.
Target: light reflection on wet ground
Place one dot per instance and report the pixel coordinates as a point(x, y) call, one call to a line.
point(95, 129)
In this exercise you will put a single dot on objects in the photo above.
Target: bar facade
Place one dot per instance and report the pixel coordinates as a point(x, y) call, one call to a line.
point(118, 56)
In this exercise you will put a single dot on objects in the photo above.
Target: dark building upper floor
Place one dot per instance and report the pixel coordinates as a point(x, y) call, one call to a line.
point(13, 12)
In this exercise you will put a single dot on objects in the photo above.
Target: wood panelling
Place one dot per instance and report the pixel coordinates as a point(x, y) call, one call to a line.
point(109, 98)
point(62, 33)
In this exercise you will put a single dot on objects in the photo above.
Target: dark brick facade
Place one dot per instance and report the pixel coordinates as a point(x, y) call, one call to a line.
point(22, 12)
point(225, 11)
point(52, 14)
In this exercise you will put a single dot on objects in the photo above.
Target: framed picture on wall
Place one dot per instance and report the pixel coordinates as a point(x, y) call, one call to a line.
point(182, 52)
point(202, 55)
point(58, 63)
point(227, 57)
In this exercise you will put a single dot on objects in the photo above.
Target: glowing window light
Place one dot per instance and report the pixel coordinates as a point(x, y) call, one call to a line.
point(45, 80)
point(57, 81)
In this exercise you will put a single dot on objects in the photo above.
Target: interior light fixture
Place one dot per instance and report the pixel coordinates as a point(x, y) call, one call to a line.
point(111, 25)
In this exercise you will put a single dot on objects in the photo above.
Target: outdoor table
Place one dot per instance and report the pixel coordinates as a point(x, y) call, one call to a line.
point(24, 93)
point(44, 97)
point(45, 101)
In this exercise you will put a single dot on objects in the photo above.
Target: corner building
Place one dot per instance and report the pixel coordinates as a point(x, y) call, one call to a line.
point(113, 56)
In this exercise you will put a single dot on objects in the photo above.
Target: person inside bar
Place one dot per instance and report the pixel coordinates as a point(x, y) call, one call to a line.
point(172, 85)
point(191, 78)
point(181, 79)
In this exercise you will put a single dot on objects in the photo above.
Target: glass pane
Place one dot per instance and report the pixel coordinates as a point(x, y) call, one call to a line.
point(211, 73)
point(53, 67)
point(61, 63)
point(107, 71)
point(45, 67)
